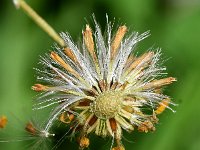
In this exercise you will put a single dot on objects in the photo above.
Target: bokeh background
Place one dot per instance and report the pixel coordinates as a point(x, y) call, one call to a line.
point(175, 27)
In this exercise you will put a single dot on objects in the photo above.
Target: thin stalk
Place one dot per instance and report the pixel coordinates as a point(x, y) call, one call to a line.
point(39, 21)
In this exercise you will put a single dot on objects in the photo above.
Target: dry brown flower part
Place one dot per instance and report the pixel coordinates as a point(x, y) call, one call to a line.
point(107, 107)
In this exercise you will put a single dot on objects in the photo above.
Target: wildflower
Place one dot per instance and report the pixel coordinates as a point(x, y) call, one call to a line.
point(101, 87)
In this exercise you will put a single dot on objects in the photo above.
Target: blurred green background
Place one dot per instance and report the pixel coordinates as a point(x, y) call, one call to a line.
point(175, 27)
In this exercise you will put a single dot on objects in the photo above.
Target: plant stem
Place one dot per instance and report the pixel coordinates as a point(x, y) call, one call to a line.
point(40, 21)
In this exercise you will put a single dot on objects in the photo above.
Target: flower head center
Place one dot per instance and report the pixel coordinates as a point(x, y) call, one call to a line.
point(107, 105)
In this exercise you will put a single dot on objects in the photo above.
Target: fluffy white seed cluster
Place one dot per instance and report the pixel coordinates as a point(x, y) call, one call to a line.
point(101, 87)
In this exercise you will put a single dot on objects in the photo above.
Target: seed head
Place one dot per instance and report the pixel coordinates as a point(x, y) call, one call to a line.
point(107, 104)
point(101, 87)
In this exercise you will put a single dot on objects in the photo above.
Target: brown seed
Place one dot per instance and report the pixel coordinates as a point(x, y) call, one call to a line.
point(118, 148)
point(162, 106)
point(3, 121)
point(89, 42)
point(39, 87)
point(146, 126)
point(145, 57)
point(113, 124)
point(117, 40)
point(59, 60)
point(84, 142)
point(30, 128)
point(66, 117)
point(70, 54)
point(90, 123)
point(92, 120)
point(159, 83)
point(84, 102)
